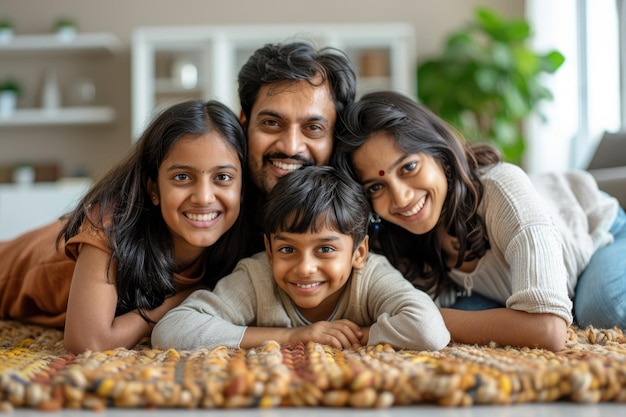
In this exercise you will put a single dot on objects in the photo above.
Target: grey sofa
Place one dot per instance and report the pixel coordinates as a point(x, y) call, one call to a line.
point(608, 165)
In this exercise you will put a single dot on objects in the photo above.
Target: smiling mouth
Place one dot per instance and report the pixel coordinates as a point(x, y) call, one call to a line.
point(202, 217)
point(416, 209)
point(287, 167)
point(308, 286)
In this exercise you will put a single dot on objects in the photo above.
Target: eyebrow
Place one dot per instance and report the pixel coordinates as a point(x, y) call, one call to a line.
point(308, 118)
point(280, 236)
point(177, 167)
point(389, 168)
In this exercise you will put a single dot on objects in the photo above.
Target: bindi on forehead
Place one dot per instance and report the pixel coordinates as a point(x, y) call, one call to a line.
point(381, 173)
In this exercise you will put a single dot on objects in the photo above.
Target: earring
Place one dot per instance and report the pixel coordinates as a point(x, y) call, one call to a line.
point(375, 220)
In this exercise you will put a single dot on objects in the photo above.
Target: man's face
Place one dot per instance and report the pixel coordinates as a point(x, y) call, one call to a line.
point(291, 125)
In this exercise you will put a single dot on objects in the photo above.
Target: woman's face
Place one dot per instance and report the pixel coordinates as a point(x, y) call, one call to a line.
point(199, 192)
point(405, 189)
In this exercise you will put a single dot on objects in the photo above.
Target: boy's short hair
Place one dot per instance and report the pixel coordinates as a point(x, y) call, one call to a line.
point(315, 197)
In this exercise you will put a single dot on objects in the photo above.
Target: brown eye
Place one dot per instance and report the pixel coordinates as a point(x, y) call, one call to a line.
point(373, 189)
point(409, 167)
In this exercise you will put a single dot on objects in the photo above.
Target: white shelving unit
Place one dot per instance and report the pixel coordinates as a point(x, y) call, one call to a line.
point(21, 207)
point(60, 116)
point(81, 43)
point(218, 52)
point(26, 206)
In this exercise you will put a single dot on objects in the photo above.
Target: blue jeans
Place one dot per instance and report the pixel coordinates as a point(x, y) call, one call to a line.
point(475, 302)
point(600, 298)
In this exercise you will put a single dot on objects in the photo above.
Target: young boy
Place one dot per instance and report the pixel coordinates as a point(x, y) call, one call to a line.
point(315, 281)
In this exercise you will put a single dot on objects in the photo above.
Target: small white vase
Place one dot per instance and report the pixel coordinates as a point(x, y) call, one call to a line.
point(23, 174)
point(8, 103)
point(6, 34)
point(51, 94)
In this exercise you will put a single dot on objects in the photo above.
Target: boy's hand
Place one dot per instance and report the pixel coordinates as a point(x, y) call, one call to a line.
point(340, 334)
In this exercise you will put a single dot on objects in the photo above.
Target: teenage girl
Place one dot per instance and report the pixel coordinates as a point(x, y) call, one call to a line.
point(161, 223)
point(448, 213)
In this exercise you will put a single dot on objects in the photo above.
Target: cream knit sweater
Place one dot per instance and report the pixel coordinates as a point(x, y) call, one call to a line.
point(376, 296)
point(543, 230)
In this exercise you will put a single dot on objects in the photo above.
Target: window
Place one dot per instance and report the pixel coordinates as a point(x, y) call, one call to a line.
point(587, 98)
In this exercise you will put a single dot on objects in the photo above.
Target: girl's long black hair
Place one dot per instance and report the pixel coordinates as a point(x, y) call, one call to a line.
point(417, 130)
point(142, 248)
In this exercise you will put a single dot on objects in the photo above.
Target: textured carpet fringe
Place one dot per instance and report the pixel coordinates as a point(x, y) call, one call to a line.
point(36, 372)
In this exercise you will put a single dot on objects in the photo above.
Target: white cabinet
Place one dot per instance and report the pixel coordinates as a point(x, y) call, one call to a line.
point(170, 64)
point(80, 45)
point(28, 206)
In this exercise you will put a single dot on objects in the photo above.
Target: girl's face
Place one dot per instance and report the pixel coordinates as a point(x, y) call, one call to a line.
point(199, 191)
point(313, 267)
point(405, 189)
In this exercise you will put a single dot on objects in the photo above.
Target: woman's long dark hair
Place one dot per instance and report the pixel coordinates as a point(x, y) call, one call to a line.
point(417, 130)
point(141, 244)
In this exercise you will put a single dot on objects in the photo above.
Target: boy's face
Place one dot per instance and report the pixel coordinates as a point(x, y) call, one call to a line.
point(312, 268)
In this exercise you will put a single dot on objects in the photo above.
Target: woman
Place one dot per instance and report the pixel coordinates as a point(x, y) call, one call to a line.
point(450, 214)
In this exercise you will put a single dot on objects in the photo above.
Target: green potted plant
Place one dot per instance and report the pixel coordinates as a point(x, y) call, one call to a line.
point(65, 28)
point(488, 81)
point(6, 30)
point(10, 90)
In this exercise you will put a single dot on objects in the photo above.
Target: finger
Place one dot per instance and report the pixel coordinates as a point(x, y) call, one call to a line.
point(346, 340)
point(352, 326)
point(351, 332)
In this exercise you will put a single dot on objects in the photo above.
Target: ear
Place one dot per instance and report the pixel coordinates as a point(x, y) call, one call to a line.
point(243, 120)
point(153, 191)
point(359, 257)
point(268, 247)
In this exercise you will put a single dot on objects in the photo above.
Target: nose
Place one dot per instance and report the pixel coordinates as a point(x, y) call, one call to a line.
point(401, 194)
point(291, 142)
point(306, 266)
point(203, 193)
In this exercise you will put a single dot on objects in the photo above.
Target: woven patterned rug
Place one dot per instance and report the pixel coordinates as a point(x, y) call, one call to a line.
point(36, 372)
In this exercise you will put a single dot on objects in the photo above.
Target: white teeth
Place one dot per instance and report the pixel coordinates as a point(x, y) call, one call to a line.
point(286, 167)
point(311, 285)
point(415, 209)
point(202, 217)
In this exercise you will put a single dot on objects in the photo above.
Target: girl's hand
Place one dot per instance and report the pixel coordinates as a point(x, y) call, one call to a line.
point(171, 302)
point(341, 334)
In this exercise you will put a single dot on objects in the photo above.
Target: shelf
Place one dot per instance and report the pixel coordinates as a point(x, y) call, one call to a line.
point(61, 116)
point(82, 42)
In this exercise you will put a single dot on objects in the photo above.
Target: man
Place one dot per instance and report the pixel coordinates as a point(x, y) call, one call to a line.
point(291, 96)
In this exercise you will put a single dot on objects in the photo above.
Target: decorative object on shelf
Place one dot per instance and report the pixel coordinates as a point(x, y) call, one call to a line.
point(487, 81)
point(374, 63)
point(6, 31)
point(50, 93)
point(65, 29)
point(82, 92)
point(10, 90)
point(184, 73)
point(23, 173)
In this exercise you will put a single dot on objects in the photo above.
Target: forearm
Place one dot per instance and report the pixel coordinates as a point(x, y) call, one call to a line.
point(256, 336)
point(125, 331)
point(506, 326)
